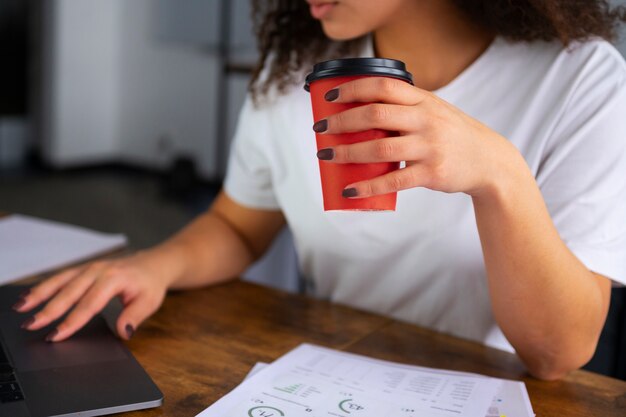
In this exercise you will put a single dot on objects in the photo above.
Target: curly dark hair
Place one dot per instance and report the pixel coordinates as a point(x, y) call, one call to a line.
point(286, 31)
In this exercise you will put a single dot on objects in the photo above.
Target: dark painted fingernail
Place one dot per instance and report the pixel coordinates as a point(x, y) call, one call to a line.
point(19, 304)
point(130, 331)
point(332, 95)
point(24, 293)
point(27, 323)
point(321, 126)
point(52, 335)
point(326, 154)
point(349, 192)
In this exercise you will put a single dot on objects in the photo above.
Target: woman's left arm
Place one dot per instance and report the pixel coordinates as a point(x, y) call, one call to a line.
point(548, 304)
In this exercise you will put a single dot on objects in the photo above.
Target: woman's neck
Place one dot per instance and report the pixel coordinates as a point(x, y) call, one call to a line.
point(435, 40)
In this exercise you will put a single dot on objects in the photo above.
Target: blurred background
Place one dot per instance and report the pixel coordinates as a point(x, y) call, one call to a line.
point(117, 115)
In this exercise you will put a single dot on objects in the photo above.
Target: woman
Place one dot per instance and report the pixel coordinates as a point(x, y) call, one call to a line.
point(526, 140)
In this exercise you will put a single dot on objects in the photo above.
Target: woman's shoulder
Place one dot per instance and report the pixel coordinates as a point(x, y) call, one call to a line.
point(594, 55)
point(292, 98)
point(274, 108)
point(268, 95)
point(595, 58)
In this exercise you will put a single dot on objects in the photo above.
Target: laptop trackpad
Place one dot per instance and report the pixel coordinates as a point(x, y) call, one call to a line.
point(30, 352)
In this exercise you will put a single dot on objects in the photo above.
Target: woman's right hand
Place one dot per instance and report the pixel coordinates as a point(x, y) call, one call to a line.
point(218, 246)
point(136, 279)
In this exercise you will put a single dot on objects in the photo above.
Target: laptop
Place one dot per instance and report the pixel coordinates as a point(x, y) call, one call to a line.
point(90, 374)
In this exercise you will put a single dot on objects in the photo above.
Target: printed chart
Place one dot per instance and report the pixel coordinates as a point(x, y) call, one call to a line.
point(311, 381)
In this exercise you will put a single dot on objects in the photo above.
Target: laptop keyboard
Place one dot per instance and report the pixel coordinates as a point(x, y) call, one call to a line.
point(9, 388)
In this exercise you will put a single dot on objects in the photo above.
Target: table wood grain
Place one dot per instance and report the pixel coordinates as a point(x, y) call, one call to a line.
point(202, 343)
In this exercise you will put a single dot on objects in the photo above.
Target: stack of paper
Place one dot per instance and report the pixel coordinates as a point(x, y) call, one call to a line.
point(312, 381)
point(30, 246)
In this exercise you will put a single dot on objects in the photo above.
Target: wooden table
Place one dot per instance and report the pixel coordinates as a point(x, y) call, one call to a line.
point(202, 343)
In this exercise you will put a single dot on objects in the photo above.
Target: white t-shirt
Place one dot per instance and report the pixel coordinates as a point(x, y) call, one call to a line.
point(565, 110)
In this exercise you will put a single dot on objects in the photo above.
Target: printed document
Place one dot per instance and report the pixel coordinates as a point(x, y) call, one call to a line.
point(510, 400)
point(312, 381)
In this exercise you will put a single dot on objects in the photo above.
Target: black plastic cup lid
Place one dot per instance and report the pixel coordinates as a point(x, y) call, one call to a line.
point(359, 66)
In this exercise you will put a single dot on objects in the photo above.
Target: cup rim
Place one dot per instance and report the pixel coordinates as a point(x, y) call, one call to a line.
point(347, 67)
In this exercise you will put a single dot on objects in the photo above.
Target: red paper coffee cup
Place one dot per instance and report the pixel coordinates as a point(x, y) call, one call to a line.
point(335, 177)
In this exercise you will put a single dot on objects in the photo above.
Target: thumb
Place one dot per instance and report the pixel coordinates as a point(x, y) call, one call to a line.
point(133, 314)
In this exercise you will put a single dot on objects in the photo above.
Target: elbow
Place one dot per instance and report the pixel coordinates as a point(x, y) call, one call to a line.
point(549, 373)
point(556, 364)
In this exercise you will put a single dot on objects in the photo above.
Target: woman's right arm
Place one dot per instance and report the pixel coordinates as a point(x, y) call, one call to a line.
point(219, 245)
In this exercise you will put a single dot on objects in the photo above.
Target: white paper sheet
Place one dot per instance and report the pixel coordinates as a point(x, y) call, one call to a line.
point(312, 381)
point(30, 246)
point(510, 400)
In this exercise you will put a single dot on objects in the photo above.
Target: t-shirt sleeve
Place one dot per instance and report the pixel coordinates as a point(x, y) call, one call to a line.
point(249, 174)
point(583, 173)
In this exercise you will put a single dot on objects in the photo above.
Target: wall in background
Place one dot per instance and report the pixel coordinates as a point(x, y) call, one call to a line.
point(80, 92)
point(142, 81)
point(168, 105)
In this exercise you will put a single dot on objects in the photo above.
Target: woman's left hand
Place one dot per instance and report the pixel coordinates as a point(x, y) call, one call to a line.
point(444, 149)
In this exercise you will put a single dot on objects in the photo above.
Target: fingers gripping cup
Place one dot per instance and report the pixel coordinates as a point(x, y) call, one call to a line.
point(335, 177)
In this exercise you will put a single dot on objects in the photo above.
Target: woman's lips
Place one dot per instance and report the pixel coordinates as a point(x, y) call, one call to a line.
point(320, 10)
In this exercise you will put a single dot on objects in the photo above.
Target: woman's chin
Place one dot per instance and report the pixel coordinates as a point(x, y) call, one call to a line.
point(338, 32)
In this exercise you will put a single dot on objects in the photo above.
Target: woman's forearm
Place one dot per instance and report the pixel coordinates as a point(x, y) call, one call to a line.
point(205, 252)
point(219, 245)
point(548, 304)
